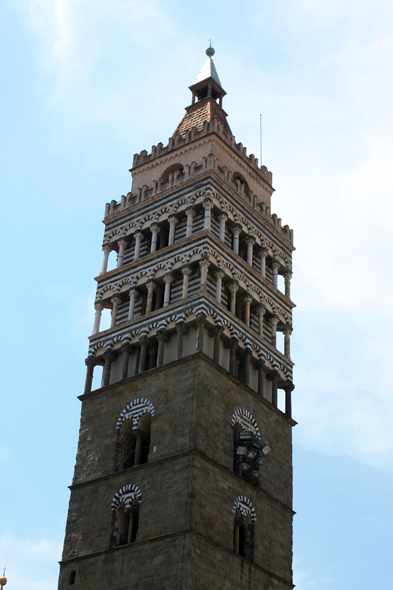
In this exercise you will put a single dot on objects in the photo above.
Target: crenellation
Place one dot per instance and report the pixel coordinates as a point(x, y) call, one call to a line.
point(184, 459)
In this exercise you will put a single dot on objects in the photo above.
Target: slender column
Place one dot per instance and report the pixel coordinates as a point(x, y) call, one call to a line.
point(168, 280)
point(287, 283)
point(247, 303)
point(261, 383)
point(130, 524)
point(179, 340)
point(204, 268)
point(250, 249)
point(274, 322)
point(200, 323)
point(115, 305)
point(220, 274)
point(186, 270)
point(216, 333)
point(233, 287)
point(190, 217)
point(247, 359)
point(276, 265)
point(172, 225)
point(138, 449)
point(126, 350)
point(273, 376)
point(159, 295)
point(236, 229)
point(154, 237)
point(109, 356)
point(131, 308)
point(287, 342)
point(288, 388)
point(150, 291)
point(97, 318)
point(153, 357)
point(90, 363)
point(138, 238)
point(223, 218)
point(161, 338)
point(263, 253)
point(120, 256)
point(237, 543)
point(232, 355)
point(261, 313)
point(143, 341)
point(106, 250)
point(137, 359)
point(208, 206)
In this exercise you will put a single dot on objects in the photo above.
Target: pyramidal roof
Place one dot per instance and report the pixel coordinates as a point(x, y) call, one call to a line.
point(208, 70)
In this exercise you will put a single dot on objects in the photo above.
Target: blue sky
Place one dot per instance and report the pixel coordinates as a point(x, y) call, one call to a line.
point(85, 85)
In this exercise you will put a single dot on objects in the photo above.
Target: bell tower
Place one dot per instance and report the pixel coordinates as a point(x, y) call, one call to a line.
point(183, 475)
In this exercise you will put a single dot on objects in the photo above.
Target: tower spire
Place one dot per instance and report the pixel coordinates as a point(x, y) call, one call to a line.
point(207, 94)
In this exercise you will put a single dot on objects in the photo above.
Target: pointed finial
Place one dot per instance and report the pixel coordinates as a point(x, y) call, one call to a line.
point(210, 51)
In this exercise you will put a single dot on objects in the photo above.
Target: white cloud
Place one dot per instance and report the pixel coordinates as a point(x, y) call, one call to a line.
point(31, 563)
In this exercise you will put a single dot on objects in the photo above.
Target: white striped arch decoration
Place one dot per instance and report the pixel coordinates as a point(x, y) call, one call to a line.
point(246, 421)
point(134, 410)
point(126, 494)
point(245, 508)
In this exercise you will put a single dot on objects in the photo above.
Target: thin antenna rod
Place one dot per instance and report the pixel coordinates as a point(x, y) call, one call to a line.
point(260, 140)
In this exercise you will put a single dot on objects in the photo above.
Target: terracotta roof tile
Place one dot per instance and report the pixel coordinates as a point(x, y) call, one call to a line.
point(198, 113)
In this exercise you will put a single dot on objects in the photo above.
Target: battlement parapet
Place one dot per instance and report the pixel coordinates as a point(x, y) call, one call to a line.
point(179, 177)
point(193, 134)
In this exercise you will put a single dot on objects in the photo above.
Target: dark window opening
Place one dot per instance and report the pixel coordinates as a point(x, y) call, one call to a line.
point(72, 577)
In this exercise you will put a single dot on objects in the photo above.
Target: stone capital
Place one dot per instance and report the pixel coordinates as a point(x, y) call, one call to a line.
point(236, 229)
point(220, 274)
point(263, 252)
point(208, 203)
point(186, 270)
point(273, 375)
point(99, 307)
point(122, 242)
point(274, 320)
point(133, 292)
point(110, 355)
point(288, 386)
point(233, 286)
point(116, 299)
point(161, 335)
point(223, 215)
point(138, 235)
point(90, 361)
point(216, 330)
point(172, 219)
point(261, 308)
point(250, 240)
point(150, 285)
point(287, 330)
point(127, 347)
point(190, 211)
point(276, 264)
point(106, 247)
point(204, 262)
point(247, 298)
point(154, 228)
point(168, 278)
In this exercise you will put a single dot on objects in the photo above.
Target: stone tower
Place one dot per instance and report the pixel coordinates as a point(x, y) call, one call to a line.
point(183, 476)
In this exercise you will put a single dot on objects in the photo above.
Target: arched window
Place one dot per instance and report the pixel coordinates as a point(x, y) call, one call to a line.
point(170, 170)
point(125, 504)
point(249, 449)
point(244, 527)
point(134, 425)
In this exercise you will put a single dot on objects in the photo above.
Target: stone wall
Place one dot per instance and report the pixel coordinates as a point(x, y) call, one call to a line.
point(187, 485)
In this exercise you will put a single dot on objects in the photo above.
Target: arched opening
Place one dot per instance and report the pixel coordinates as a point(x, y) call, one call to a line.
point(127, 522)
point(249, 449)
point(71, 578)
point(134, 443)
point(171, 170)
point(243, 535)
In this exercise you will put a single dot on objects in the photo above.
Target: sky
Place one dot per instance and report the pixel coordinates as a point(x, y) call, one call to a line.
point(85, 84)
